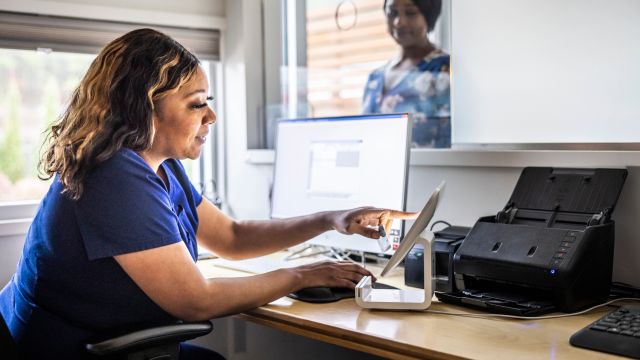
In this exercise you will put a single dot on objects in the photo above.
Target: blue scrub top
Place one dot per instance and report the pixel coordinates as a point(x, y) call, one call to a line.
point(68, 288)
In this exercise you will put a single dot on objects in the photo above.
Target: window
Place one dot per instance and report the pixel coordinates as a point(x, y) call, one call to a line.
point(42, 59)
point(34, 89)
point(329, 49)
point(345, 41)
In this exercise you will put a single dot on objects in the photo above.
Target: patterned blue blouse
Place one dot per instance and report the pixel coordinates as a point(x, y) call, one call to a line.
point(423, 92)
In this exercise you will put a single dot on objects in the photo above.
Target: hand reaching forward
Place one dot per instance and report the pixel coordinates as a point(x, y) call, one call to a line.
point(330, 273)
point(360, 220)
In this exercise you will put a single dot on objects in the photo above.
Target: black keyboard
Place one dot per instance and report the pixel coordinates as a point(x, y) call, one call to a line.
point(617, 332)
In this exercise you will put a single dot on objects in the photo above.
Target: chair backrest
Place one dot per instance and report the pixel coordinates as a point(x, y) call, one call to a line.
point(8, 348)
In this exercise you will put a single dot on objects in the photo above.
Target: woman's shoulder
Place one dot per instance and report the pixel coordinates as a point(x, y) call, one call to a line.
point(175, 165)
point(437, 60)
point(376, 76)
point(377, 72)
point(179, 172)
point(435, 54)
point(125, 160)
point(125, 169)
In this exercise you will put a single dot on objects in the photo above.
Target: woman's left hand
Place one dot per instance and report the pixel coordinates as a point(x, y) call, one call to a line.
point(361, 220)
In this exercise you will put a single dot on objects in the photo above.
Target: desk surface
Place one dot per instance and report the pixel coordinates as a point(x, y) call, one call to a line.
point(412, 334)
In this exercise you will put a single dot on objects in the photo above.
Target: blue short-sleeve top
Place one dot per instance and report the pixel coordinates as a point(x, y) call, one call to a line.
point(68, 288)
point(423, 91)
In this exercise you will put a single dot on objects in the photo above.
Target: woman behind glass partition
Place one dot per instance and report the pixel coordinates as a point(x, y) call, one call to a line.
point(417, 79)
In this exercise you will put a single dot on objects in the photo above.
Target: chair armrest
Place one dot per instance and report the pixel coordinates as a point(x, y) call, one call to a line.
point(150, 337)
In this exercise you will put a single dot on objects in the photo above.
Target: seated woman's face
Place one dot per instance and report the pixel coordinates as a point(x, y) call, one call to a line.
point(406, 24)
point(182, 118)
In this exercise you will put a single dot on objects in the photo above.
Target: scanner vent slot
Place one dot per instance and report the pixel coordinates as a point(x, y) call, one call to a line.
point(496, 246)
point(532, 251)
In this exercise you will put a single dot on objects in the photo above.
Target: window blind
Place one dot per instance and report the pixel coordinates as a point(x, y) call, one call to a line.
point(29, 31)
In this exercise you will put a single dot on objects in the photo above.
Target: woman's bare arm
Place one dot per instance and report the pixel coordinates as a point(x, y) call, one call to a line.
point(245, 239)
point(169, 277)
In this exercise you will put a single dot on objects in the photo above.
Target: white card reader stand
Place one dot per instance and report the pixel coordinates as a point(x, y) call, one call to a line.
point(397, 299)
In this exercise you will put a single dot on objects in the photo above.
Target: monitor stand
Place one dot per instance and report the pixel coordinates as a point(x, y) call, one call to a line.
point(398, 299)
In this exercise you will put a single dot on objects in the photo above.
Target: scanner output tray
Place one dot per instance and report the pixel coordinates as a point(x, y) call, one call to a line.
point(503, 303)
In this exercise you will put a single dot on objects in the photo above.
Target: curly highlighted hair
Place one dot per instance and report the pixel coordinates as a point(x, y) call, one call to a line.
point(113, 105)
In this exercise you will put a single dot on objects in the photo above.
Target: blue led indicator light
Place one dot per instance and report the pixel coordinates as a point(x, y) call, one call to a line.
point(552, 271)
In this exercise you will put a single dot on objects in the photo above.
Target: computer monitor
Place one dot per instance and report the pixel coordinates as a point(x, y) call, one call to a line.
point(338, 163)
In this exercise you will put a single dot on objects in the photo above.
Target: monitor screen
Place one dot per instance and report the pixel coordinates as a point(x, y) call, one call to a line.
point(341, 163)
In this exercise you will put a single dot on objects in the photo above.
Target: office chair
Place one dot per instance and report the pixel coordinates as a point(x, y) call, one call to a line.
point(8, 349)
point(155, 343)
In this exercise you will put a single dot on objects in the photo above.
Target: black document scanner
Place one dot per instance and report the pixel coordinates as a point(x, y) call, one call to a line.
point(550, 248)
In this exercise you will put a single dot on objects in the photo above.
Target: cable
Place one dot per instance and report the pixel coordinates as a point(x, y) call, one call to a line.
point(438, 222)
point(529, 317)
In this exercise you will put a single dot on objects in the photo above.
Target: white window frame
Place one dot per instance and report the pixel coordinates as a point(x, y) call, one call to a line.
point(15, 217)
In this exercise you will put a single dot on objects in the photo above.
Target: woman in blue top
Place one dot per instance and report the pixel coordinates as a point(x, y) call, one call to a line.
point(417, 79)
point(114, 242)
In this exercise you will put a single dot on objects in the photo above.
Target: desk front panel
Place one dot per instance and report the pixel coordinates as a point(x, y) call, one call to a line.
point(414, 334)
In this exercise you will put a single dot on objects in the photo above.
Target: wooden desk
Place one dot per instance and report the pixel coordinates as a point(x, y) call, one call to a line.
point(421, 335)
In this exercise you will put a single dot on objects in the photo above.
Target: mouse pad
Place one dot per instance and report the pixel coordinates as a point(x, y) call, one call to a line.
point(330, 294)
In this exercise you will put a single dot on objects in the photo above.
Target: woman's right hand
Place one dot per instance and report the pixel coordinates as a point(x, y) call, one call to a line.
point(330, 273)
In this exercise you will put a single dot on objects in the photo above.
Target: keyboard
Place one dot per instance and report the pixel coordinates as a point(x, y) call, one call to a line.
point(262, 264)
point(617, 332)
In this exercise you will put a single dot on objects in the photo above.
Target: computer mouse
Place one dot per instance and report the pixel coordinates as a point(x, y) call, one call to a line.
point(322, 294)
point(325, 294)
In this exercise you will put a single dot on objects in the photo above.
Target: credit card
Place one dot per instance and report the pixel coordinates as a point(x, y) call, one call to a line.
point(384, 243)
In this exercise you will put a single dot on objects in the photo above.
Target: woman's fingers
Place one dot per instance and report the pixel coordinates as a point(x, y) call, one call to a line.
point(334, 273)
point(387, 225)
point(354, 272)
point(367, 220)
point(402, 215)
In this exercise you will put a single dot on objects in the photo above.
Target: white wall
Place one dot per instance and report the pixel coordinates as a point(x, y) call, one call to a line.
point(545, 71)
point(247, 184)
